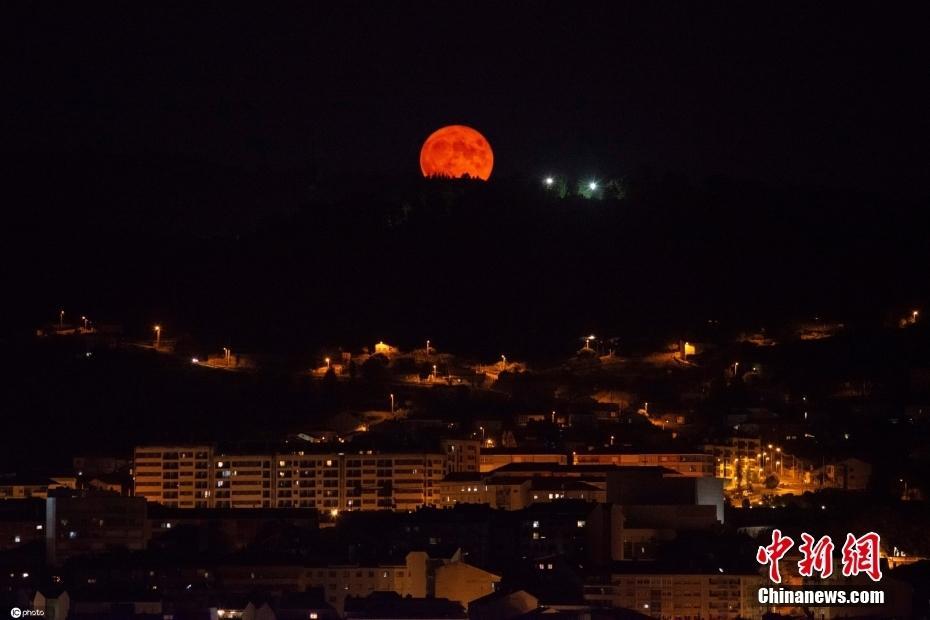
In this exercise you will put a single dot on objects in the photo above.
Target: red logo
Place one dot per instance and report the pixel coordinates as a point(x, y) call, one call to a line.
point(859, 555)
point(773, 553)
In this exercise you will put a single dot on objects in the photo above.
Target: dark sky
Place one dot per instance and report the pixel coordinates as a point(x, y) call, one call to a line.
point(819, 93)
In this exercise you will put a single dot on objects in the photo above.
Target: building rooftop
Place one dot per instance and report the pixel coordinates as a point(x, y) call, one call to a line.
point(389, 605)
point(555, 468)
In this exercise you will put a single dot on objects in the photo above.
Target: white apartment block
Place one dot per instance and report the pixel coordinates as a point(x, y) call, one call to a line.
point(199, 477)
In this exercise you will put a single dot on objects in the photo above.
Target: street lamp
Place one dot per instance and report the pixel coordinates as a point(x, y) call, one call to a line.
point(503, 361)
point(157, 335)
point(427, 348)
point(61, 318)
point(84, 319)
point(592, 185)
point(392, 404)
point(328, 363)
point(548, 181)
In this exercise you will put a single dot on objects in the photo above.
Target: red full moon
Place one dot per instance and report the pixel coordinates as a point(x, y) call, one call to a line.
point(456, 151)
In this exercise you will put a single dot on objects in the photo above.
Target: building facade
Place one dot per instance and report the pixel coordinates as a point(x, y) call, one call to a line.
point(679, 596)
point(691, 464)
point(197, 477)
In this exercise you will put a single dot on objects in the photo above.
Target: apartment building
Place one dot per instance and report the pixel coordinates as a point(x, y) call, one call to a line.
point(176, 476)
point(243, 480)
point(199, 477)
point(462, 455)
point(680, 596)
point(732, 454)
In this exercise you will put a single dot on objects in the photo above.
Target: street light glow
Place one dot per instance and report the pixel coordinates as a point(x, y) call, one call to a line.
point(549, 181)
point(592, 185)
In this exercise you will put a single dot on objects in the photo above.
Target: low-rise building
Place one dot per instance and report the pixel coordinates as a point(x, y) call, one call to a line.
point(849, 474)
point(93, 525)
point(23, 487)
point(495, 458)
point(694, 464)
point(417, 575)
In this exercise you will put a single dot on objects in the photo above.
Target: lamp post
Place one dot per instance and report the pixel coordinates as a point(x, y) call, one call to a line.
point(427, 348)
point(392, 404)
point(503, 361)
point(84, 319)
point(61, 319)
point(157, 335)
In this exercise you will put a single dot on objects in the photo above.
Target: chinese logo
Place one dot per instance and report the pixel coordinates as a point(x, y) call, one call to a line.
point(859, 555)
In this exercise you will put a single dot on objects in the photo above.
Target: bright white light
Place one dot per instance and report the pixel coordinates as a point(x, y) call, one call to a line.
point(194, 360)
point(549, 181)
point(592, 185)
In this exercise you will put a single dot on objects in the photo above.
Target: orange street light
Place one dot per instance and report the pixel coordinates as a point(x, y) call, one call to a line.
point(157, 335)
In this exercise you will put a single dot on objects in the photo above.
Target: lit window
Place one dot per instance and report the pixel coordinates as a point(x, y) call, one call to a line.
point(16, 539)
point(581, 524)
point(535, 524)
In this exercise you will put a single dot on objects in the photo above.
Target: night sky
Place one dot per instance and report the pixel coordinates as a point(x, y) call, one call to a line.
point(136, 136)
point(786, 93)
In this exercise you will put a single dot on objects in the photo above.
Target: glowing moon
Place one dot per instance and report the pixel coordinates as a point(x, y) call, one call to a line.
point(456, 151)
